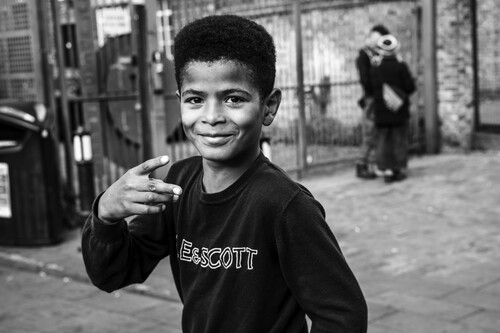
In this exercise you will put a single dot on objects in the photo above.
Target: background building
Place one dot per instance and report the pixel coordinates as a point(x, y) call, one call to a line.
point(105, 66)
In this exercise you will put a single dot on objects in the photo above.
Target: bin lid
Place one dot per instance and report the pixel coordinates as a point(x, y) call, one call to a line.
point(20, 114)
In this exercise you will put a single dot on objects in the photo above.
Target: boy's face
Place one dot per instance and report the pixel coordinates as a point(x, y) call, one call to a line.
point(222, 112)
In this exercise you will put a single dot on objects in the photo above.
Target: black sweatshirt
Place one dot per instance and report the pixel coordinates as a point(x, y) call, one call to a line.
point(253, 258)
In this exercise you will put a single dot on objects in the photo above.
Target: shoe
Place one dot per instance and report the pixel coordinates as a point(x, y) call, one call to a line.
point(363, 172)
point(396, 176)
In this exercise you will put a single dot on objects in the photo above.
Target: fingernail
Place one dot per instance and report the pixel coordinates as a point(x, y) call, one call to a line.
point(175, 197)
point(176, 190)
point(164, 159)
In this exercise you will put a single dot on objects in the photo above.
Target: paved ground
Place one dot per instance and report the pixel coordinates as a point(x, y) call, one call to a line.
point(425, 251)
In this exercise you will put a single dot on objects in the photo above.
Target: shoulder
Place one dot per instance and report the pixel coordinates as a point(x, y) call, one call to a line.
point(281, 191)
point(275, 179)
point(363, 55)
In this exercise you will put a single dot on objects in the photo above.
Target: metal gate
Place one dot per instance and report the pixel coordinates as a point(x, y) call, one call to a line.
point(487, 63)
point(105, 96)
point(331, 34)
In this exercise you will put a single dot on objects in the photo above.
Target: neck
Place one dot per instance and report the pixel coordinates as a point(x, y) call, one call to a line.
point(219, 176)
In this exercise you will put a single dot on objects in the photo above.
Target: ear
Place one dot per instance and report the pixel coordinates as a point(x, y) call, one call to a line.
point(178, 94)
point(271, 105)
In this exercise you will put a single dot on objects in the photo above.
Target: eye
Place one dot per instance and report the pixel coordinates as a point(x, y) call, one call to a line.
point(194, 100)
point(234, 100)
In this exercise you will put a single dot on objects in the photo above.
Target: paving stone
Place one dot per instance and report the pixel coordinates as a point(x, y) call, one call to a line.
point(408, 322)
point(377, 311)
point(485, 319)
point(492, 288)
point(122, 301)
point(376, 328)
point(31, 303)
point(92, 320)
point(376, 283)
point(481, 300)
point(441, 309)
point(167, 314)
point(475, 277)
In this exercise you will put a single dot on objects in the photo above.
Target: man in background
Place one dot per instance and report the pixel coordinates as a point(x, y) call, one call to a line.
point(368, 56)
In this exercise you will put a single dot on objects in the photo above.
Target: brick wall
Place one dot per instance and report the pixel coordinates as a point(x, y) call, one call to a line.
point(455, 72)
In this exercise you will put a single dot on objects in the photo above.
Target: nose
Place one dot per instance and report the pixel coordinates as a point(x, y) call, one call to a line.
point(213, 113)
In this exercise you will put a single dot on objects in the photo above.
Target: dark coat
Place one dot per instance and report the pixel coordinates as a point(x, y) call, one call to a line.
point(397, 74)
point(363, 65)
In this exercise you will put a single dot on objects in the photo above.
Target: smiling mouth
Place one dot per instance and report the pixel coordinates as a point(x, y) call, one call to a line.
point(218, 135)
point(215, 134)
point(216, 139)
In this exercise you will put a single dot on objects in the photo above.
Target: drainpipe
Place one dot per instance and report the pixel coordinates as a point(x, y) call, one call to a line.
point(430, 76)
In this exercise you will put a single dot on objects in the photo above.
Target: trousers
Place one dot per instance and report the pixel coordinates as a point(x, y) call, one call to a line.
point(392, 147)
point(369, 134)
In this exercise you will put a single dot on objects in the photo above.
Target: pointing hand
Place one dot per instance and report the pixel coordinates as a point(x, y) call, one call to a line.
point(136, 194)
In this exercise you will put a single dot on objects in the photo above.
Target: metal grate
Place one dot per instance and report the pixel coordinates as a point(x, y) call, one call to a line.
point(17, 66)
point(23, 89)
point(14, 16)
point(19, 54)
point(20, 16)
point(3, 55)
point(4, 92)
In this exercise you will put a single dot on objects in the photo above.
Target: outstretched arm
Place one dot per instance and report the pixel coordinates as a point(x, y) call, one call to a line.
point(117, 253)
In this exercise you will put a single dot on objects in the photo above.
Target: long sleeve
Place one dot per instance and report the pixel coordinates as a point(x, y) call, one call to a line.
point(317, 272)
point(363, 65)
point(408, 82)
point(121, 253)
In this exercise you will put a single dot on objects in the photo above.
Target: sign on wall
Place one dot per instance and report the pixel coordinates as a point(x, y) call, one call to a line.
point(5, 201)
point(111, 22)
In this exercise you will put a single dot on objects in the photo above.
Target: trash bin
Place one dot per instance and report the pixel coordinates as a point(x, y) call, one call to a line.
point(30, 193)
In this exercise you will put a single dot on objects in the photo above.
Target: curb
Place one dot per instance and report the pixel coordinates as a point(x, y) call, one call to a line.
point(51, 269)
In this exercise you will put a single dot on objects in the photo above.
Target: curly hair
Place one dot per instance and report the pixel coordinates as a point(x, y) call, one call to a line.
point(231, 38)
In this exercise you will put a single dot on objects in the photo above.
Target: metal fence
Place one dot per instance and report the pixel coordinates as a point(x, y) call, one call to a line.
point(110, 77)
point(332, 33)
point(320, 119)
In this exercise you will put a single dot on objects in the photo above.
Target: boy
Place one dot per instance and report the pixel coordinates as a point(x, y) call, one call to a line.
point(250, 249)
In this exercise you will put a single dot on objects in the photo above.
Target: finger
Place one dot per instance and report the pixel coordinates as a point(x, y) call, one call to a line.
point(143, 209)
point(151, 165)
point(153, 198)
point(158, 186)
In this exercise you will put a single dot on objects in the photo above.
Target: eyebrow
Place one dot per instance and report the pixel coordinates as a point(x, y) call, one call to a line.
point(223, 92)
point(192, 92)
